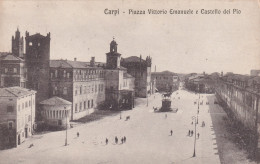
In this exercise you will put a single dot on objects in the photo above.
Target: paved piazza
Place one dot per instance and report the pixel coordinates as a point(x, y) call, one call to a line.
point(147, 135)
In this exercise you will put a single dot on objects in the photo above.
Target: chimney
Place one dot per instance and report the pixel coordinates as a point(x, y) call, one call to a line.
point(92, 62)
point(75, 59)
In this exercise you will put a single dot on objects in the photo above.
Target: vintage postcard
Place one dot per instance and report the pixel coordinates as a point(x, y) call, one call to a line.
point(130, 81)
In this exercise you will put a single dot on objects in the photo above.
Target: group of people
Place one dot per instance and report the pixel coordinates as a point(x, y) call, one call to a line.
point(123, 140)
point(190, 134)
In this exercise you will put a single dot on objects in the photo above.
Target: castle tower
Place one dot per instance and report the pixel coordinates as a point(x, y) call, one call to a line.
point(37, 59)
point(113, 57)
point(17, 44)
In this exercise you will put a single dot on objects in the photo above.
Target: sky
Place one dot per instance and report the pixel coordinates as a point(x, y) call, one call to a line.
point(178, 43)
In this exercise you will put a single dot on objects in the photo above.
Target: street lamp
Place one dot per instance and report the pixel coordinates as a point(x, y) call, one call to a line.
point(147, 99)
point(66, 127)
point(194, 152)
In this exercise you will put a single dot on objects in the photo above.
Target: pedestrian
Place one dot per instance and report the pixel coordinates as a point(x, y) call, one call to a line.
point(192, 123)
point(198, 135)
point(106, 141)
point(116, 139)
point(171, 132)
point(165, 115)
point(189, 133)
point(78, 134)
point(124, 139)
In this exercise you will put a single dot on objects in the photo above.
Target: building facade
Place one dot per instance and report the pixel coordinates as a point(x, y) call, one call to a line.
point(78, 82)
point(13, 71)
point(119, 84)
point(241, 95)
point(17, 115)
point(140, 69)
point(166, 81)
point(56, 112)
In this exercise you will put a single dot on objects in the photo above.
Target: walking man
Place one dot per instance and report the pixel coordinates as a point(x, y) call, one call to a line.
point(198, 135)
point(124, 139)
point(165, 116)
point(77, 134)
point(116, 139)
point(106, 141)
point(171, 132)
point(189, 133)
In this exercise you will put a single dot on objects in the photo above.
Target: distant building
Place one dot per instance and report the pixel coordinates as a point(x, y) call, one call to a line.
point(255, 72)
point(140, 69)
point(17, 115)
point(56, 112)
point(13, 71)
point(166, 81)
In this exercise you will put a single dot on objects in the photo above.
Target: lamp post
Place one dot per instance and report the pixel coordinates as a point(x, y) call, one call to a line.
point(194, 152)
point(66, 114)
point(147, 99)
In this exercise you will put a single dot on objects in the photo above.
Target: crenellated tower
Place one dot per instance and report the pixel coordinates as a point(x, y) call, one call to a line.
point(37, 59)
point(17, 44)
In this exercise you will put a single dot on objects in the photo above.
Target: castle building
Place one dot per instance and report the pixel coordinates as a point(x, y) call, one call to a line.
point(86, 85)
point(78, 82)
point(140, 69)
point(37, 58)
point(17, 115)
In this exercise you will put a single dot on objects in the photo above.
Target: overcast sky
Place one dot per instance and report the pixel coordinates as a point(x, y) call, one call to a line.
point(179, 43)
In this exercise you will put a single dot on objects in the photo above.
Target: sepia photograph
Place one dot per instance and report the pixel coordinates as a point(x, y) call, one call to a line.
point(129, 81)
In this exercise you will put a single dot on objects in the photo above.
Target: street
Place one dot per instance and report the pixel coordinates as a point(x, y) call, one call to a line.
point(147, 133)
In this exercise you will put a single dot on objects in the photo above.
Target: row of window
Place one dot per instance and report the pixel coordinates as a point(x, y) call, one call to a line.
point(84, 105)
point(89, 89)
point(79, 74)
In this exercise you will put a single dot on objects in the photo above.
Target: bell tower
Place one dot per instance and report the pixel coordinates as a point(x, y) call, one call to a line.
point(17, 44)
point(113, 57)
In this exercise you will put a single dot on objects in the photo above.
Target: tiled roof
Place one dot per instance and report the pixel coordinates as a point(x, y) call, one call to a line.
point(11, 57)
point(165, 72)
point(132, 59)
point(72, 64)
point(55, 101)
point(126, 75)
point(15, 92)
point(3, 54)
